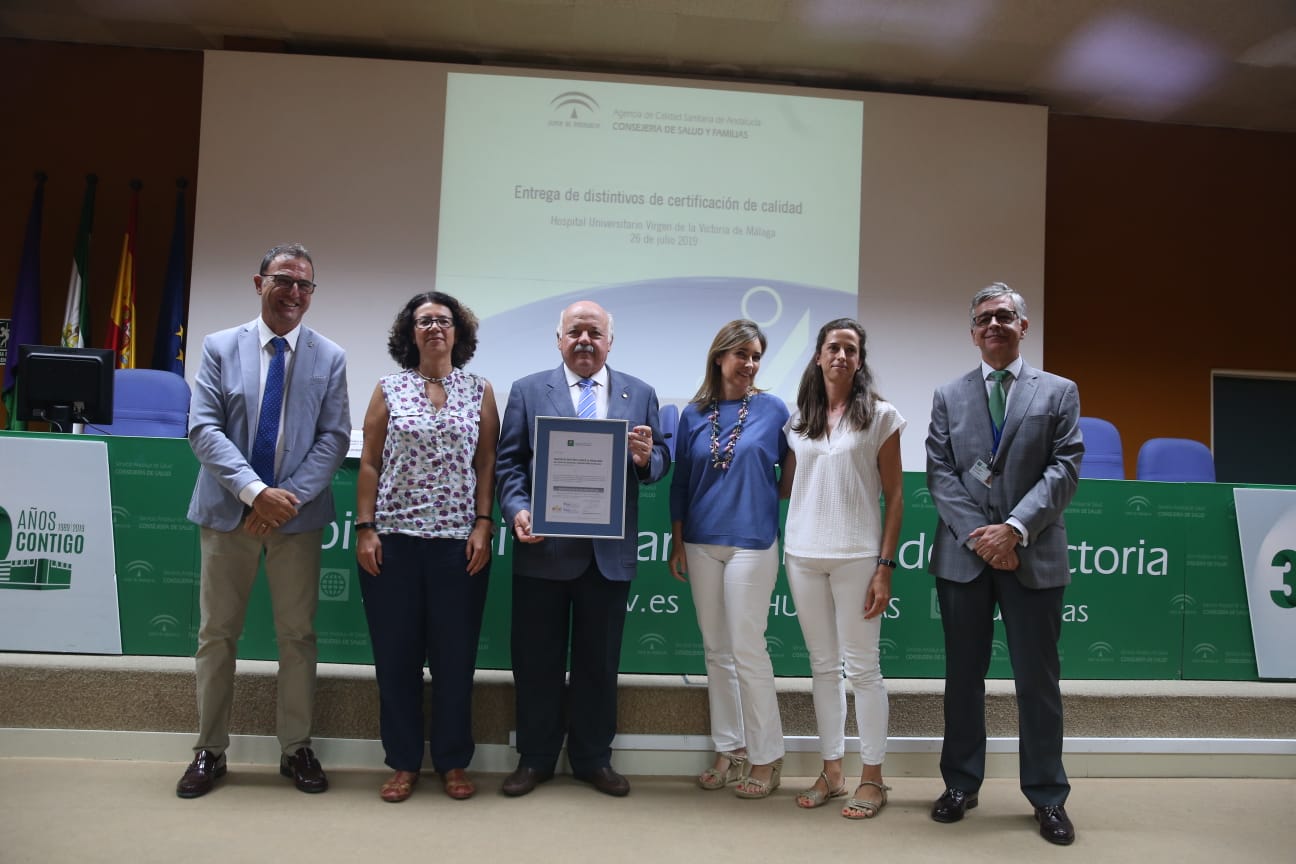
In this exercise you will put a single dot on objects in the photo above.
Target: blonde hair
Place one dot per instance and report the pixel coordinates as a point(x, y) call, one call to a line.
point(732, 335)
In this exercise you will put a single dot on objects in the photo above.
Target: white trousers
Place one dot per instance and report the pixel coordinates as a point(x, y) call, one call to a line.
point(829, 596)
point(731, 592)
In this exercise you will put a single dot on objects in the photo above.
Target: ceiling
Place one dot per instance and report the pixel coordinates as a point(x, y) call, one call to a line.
point(1205, 62)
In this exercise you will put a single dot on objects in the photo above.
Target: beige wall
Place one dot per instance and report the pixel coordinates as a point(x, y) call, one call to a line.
point(1168, 249)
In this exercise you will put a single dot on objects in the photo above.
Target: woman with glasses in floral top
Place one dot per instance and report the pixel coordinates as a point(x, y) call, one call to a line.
point(423, 508)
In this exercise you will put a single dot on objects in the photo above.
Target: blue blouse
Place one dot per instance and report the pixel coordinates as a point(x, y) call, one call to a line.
point(738, 506)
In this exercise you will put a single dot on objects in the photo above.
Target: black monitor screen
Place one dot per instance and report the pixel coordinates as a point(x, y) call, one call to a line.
point(65, 385)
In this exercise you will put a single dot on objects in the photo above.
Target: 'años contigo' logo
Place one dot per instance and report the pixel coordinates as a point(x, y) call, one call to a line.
point(37, 531)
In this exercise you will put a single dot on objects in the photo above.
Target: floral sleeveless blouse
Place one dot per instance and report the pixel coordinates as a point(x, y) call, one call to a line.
point(428, 487)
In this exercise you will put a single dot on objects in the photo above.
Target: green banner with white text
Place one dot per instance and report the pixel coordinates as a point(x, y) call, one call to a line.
point(1157, 593)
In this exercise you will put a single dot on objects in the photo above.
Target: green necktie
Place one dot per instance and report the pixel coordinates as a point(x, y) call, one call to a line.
point(998, 399)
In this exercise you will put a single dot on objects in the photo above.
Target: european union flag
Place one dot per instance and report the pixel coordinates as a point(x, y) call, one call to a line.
point(169, 344)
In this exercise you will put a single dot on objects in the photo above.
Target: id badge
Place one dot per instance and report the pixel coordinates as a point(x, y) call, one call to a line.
point(981, 471)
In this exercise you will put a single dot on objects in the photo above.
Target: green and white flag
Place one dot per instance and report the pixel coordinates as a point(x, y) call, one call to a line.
point(76, 320)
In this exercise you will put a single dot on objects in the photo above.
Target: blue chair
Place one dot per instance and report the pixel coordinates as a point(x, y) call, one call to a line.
point(148, 403)
point(1103, 457)
point(669, 419)
point(1176, 460)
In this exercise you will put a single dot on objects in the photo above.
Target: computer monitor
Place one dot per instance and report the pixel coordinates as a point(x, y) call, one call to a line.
point(65, 385)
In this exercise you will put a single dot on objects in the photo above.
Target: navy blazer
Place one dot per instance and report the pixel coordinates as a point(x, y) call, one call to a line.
point(546, 394)
point(1035, 472)
point(222, 422)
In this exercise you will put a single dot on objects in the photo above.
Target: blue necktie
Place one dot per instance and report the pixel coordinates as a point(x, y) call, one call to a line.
point(587, 407)
point(263, 448)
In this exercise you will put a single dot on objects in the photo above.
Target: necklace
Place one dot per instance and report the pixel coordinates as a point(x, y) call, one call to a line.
point(720, 460)
point(433, 378)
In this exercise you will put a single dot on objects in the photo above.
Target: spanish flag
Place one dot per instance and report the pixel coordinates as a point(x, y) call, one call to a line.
point(121, 330)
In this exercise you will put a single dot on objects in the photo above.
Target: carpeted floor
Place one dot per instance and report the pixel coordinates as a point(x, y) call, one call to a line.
point(54, 810)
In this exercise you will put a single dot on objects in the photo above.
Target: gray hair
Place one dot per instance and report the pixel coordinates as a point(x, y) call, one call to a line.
point(998, 289)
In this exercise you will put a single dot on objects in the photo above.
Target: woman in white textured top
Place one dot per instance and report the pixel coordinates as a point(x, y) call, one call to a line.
point(844, 449)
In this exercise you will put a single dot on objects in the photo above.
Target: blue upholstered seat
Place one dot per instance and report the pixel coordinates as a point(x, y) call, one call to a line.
point(148, 403)
point(1104, 459)
point(1176, 460)
point(669, 417)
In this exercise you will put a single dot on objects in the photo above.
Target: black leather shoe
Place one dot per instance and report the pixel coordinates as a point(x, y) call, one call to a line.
point(524, 780)
point(200, 776)
point(606, 780)
point(305, 770)
point(952, 804)
point(1055, 825)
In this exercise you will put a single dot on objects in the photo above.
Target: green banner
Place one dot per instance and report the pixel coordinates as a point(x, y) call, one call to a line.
point(1157, 592)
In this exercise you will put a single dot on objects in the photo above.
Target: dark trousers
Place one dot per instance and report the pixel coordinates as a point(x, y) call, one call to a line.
point(424, 608)
point(588, 611)
point(1033, 621)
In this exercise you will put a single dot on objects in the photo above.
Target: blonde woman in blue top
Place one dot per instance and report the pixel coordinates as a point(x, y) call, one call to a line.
point(724, 523)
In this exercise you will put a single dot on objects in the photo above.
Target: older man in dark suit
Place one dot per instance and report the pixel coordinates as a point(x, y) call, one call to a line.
point(269, 423)
point(572, 589)
point(1003, 460)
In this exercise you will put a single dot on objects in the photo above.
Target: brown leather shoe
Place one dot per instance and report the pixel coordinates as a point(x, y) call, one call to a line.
point(399, 787)
point(304, 769)
point(200, 776)
point(524, 780)
point(457, 785)
point(606, 780)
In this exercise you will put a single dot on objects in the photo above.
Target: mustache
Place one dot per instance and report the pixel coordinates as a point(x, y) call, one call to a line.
point(583, 349)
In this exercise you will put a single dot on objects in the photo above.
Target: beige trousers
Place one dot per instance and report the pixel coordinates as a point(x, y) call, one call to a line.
point(229, 569)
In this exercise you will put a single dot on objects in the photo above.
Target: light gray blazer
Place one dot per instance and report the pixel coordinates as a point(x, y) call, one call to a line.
point(1035, 472)
point(222, 422)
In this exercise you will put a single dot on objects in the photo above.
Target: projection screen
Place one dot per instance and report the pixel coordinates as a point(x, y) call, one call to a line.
point(677, 204)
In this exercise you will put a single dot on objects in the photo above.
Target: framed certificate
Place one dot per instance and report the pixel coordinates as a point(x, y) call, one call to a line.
point(578, 480)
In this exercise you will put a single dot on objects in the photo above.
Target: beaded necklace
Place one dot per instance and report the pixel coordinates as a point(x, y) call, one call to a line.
point(432, 379)
point(720, 460)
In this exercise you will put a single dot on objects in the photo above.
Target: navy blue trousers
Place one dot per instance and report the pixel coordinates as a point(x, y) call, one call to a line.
point(424, 608)
point(588, 613)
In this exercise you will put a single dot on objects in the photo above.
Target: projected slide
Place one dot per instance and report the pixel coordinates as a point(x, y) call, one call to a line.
point(677, 208)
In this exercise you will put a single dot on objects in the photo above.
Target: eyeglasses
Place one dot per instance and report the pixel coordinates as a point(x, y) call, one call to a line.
point(428, 323)
point(1003, 316)
point(286, 283)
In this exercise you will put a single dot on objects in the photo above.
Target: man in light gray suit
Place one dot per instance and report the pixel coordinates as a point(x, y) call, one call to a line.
point(1003, 460)
point(270, 424)
point(566, 589)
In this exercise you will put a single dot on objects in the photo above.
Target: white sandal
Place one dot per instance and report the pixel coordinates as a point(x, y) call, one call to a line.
point(718, 778)
point(859, 809)
point(750, 787)
point(812, 797)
